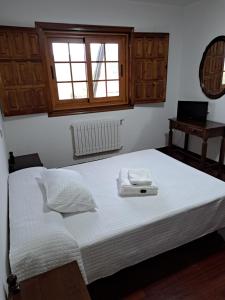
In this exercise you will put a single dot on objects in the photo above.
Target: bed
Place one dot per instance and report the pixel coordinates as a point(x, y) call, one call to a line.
point(122, 231)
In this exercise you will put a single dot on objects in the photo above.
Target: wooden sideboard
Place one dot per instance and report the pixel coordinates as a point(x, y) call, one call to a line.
point(62, 283)
point(24, 161)
point(205, 131)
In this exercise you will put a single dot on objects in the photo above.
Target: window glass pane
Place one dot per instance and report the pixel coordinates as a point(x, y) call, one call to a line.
point(97, 52)
point(99, 88)
point(62, 72)
point(98, 71)
point(79, 72)
point(223, 80)
point(112, 52)
point(77, 52)
point(80, 90)
point(112, 70)
point(60, 51)
point(65, 91)
point(112, 88)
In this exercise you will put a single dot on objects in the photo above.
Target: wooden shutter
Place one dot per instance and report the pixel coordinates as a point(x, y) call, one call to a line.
point(149, 67)
point(21, 70)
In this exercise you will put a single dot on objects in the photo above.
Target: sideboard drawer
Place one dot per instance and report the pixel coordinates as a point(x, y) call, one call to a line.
point(186, 129)
point(195, 131)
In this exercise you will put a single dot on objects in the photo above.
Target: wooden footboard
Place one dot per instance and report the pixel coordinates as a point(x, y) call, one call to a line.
point(65, 282)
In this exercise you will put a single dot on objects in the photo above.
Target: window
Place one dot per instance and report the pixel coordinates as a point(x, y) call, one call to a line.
point(71, 67)
point(87, 68)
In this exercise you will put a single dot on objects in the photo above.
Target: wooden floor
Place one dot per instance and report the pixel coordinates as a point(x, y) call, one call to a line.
point(192, 159)
point(195, 271)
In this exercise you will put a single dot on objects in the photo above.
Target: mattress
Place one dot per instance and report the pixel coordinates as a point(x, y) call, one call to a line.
point(122, 231)
point(125, 231)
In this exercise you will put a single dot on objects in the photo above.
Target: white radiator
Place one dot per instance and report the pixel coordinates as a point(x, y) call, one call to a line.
point(96, 136)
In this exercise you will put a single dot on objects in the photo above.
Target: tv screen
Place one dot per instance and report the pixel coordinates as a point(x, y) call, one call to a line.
point(192, 111)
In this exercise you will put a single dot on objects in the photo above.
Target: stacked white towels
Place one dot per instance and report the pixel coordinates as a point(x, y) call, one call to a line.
point(139, 177)
point(136, 182)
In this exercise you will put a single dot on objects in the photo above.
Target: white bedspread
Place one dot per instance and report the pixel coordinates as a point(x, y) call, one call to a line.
point(125, 231)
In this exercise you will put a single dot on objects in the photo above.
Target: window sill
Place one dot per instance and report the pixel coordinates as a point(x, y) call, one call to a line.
point(67, 112)
point(143, 101)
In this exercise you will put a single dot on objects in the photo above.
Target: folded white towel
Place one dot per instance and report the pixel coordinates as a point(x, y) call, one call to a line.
point(125, 188)
point(139, 176)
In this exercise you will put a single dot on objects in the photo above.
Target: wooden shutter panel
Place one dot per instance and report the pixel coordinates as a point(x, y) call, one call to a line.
point(8, 73)
point(18, 44)
point(33, 45)
point(11, 106)
point(23, 83)
point(149, 67)
point(5, 51)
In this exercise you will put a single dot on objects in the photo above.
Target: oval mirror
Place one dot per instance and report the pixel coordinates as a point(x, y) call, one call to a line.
point(212, 69)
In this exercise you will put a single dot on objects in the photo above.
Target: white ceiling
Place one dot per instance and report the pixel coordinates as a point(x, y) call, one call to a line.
point(169, 2)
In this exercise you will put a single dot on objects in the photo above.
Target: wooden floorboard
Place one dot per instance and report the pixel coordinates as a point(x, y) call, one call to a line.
point(195, 271)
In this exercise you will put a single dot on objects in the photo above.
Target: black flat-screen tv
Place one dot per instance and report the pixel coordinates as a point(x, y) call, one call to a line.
point(192, 111)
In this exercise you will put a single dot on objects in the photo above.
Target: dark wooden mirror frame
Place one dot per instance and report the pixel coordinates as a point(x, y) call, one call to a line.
point(204, 89)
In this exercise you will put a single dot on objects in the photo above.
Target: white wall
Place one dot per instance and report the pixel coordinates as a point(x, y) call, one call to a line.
point(3, 210)
point(202, 23)
point(144, 126)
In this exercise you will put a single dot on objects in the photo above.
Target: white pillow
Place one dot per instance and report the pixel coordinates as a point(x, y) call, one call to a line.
point(66, 191)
